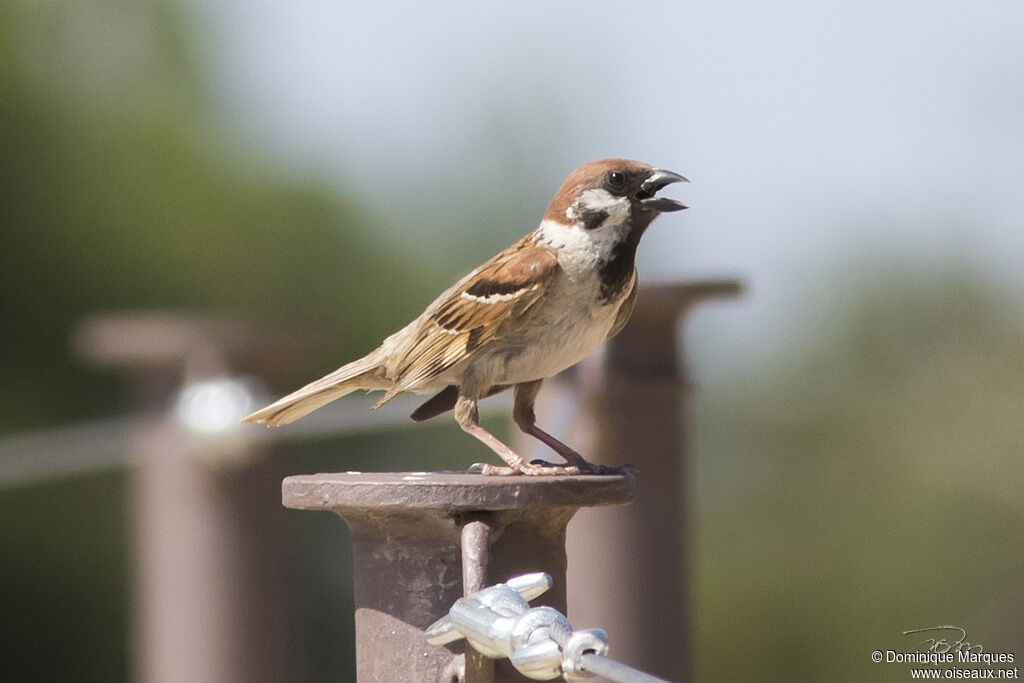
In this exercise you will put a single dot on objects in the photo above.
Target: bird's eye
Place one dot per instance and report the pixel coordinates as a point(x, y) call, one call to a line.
point(616, 180)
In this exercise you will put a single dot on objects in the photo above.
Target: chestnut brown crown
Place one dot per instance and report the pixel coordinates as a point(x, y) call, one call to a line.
point(619, 177)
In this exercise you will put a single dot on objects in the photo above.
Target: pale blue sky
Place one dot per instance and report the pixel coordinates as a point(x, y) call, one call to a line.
point(812, 132)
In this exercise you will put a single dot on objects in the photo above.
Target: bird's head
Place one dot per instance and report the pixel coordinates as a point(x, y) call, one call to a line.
point(612, 200)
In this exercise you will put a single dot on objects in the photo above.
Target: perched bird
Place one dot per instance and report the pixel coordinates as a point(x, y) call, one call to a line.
point(528, 313)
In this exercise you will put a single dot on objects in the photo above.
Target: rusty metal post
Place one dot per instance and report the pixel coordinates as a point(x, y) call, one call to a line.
point(420, 540)
point(634, 582)
point(210, 570)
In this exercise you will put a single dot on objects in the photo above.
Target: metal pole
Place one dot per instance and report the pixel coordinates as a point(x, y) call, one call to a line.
point(476, 542)
point(210, 566)
point(410, 534)
point(636, 558)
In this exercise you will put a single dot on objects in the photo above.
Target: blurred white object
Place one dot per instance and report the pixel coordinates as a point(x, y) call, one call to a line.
point(214, 406)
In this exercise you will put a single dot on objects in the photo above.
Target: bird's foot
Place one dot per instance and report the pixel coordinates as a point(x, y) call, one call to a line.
point(576, 461)
point(532, 469)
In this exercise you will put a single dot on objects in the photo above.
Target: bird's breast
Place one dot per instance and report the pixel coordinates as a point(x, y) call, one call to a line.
point(562, 329)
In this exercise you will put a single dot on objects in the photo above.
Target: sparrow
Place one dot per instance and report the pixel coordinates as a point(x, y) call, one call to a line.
point(533, 310)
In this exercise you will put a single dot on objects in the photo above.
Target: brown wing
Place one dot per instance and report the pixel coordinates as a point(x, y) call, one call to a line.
point(480, 308)
point(625, 310)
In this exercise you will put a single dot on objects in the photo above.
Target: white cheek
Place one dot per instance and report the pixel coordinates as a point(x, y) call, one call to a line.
point(599, 199)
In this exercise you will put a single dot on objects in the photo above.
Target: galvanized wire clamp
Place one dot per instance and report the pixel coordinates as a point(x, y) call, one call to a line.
point(539, 642)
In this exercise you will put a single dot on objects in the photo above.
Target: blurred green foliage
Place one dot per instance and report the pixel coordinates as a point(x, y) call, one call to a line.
point(121, 190)
point(867, 484)
point(63, 581)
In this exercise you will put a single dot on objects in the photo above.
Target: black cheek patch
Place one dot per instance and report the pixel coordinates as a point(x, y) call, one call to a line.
point(593, 219)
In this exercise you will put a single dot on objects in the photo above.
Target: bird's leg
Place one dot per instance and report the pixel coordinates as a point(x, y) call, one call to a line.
point(468, 416)
point(526, 420)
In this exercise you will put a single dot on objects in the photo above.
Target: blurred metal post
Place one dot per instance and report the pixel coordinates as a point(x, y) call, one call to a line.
point(631, 577)
point(209, 580)
point(414, 537)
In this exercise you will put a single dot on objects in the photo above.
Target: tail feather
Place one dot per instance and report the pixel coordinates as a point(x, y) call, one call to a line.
point(346, 379)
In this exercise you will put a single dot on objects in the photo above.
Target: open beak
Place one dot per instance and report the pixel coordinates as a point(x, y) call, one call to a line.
point(656, 181)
